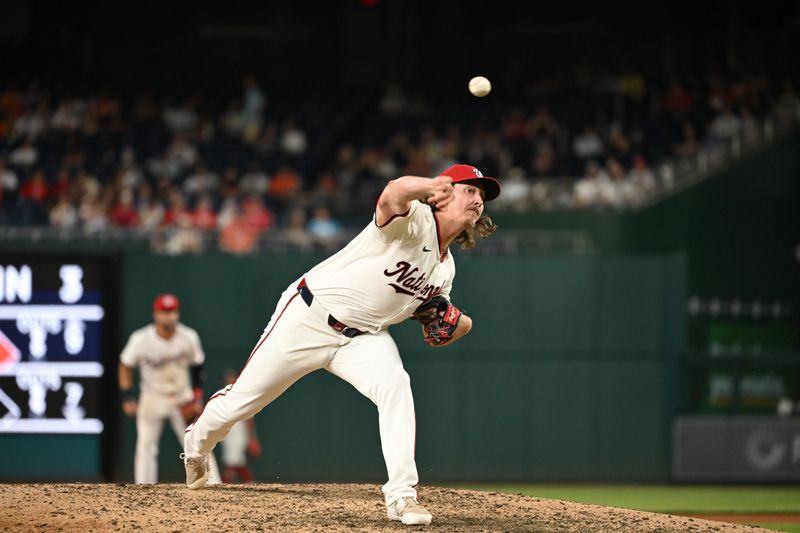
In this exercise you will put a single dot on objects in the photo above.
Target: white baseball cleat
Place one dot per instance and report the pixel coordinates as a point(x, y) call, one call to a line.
point(197, 471)
point(408, 511)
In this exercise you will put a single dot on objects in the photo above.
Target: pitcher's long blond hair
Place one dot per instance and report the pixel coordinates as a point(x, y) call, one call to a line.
point(483, 227)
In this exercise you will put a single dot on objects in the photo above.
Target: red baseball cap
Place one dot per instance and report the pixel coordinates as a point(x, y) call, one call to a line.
point(166, 302)
point(461, 173)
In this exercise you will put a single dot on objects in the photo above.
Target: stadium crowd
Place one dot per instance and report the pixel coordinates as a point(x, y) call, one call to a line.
point(183, 167)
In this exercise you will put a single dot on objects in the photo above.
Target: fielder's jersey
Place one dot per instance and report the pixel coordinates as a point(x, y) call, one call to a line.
point(385, 272)
point(163, 363)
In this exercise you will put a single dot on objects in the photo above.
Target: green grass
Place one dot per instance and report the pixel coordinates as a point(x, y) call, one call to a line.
point(689, 499)
point(777, 526)
point(668, 499)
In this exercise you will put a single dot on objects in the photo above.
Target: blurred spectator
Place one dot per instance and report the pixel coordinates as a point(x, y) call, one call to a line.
point(267, 143)
point(293, 139)
point(10, 103)
point(202, 181)
point(130, 173)
point(9, 183)
point(181, 118)
point(86, 185)
point(544, 163)
point(231, 121)
point(25, 155)
point(205, 132)
point(183, 237)
point(252, 108)
point(619, 145)
point(588, 190)
point(285, 183)
point(642, 180)
point(124, 212)
point(230, 184)
point(516, 190)
point(255, 181)
point(179, 156)
point(750, 129)
point(326, 189)
point(724, 127)
point(151, 212)
point(176, 206)
point(256, 215)
point(32, 123)
point(296, 235)
point(543, 128)
point(324, 229)
point(204, 217)
point(787, 107)
point(228, 212)
point(68, 116)
point(587, 144)
point(64, 214)
point(63, 185)
point(93, 214)
point(35, 189)
point(677, 100)
point(688, 145)
point(616, 191)
point(238, 237)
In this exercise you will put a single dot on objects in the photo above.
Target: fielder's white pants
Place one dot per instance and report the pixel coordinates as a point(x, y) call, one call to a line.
point(298, 341)
point(234, 447)
point(153, 409)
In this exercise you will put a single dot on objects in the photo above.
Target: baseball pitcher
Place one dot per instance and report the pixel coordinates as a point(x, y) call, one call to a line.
point(170, 360)
point(336, 316)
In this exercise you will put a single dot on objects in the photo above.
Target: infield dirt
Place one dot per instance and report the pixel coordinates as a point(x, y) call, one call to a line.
point(311, 507)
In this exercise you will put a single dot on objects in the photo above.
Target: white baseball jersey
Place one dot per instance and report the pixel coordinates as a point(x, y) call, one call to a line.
point(385, 272)
point(163, 363)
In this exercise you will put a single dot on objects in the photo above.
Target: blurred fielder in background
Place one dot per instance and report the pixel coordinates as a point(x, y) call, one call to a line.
point(337, 317)
point(170, 361)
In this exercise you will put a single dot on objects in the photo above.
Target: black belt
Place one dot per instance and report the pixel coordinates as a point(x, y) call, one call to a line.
point(344, 329)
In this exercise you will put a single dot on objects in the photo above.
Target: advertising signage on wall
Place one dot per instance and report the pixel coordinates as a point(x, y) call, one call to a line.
point(736, 448)
point(52, 357)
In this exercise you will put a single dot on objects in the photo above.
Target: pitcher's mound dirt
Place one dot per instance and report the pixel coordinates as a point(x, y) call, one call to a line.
point(306, 507)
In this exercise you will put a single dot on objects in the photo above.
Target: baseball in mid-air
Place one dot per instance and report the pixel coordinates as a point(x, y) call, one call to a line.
point(480, 86)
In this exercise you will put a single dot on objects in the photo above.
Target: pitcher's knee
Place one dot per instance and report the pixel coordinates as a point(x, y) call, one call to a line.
point(395, 382)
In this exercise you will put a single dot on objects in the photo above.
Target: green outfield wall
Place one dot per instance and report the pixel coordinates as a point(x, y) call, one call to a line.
point(569, 373)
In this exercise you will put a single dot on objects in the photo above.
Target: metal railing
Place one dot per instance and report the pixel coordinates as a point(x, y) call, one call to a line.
point(505, 243)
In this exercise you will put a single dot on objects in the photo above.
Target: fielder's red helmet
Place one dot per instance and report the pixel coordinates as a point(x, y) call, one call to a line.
point(166, 302)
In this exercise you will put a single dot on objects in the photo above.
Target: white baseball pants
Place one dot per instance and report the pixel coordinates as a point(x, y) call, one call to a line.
point(298, 341)
point(153, 410)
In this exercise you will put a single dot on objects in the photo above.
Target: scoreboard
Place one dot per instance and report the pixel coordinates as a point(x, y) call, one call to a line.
point(53, 345)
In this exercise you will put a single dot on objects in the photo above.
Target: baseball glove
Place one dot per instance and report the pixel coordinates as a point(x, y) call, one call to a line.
point(191, 410)
point(439, 319)
point(253, 447)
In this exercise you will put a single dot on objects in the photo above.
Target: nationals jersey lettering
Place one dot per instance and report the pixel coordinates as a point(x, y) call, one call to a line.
point(383, 274)
point(407, 284)
point(163, 363)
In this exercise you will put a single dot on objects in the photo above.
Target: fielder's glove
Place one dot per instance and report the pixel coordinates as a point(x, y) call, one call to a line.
point(253, 447)
point(439, 319)
point(191, 410)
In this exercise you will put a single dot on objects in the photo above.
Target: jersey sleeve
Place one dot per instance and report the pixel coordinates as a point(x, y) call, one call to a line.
point(130, 354)
point(409, 225)
point(198, 355)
